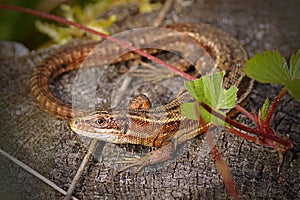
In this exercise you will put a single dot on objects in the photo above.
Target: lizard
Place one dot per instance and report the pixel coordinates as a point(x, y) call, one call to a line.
point(162, 127)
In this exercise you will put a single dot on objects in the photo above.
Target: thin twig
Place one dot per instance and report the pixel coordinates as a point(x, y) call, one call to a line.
point(34, 173)
point(81, 168)
point(162, 13)
point(94, 141)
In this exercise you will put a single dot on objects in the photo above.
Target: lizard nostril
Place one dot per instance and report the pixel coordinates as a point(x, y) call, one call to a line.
point(111, 119)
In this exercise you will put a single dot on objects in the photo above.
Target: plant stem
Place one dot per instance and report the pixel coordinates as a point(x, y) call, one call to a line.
point(223, 168)
point(274, 105)
point(238, 133)
point(228, 120)
point(271, 136)
point(245, 112)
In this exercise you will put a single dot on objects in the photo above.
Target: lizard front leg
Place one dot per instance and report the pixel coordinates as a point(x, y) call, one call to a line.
point(159, 155)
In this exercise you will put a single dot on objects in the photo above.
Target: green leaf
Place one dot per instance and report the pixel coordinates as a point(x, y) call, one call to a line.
point(293, 87)
point(192, 88)
point(209, 90)
point(208, 117)
point(269, 67)
point(212, 89)
point(189, 109)
point(192, 111)
point(229, 100)
point(295, 66)
point(265, 109)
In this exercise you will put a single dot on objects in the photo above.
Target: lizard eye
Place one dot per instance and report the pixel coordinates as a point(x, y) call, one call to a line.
point(100, 121)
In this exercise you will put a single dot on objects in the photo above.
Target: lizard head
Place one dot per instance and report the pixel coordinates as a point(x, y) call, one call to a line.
point(114, 126)
point(101, 125)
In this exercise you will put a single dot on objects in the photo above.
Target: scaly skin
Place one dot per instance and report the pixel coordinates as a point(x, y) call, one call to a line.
point(162, 127)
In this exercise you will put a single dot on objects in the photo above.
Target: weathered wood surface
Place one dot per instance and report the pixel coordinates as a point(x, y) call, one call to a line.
point(51, 148)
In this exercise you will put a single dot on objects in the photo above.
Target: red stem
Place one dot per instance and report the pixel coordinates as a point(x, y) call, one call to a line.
point(223, 168)
point(238, 133)
point(80, 26)
point(221, 165)
point(228, 120)
point(274, 105)
point(285, 143)
point(245, 112)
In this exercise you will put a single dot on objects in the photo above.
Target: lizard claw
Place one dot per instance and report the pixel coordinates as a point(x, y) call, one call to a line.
point(161, 154)
point(149, 73)
point(133, 161)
